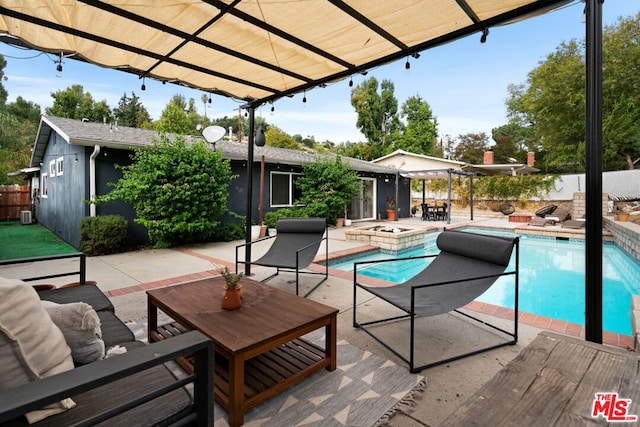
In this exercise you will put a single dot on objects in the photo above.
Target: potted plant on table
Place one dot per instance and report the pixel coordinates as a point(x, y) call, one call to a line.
point(232, 292)
point(391, 208)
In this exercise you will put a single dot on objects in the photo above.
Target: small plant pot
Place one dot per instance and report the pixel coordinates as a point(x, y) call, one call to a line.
point(272, 231)
point(347, 222)
point(232, 298)
point(339, 222)
point(623, 216)
point(391, 215)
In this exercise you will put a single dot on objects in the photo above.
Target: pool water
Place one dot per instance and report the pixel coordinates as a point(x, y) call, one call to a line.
point(552, 278)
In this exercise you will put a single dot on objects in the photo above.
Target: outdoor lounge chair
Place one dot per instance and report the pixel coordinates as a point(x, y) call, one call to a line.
point(296, 244)
point(559, 215)
point(467, 265)
point(575, 223)
point(546, 210)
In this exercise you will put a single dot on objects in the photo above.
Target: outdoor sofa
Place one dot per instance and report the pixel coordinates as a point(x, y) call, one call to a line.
point(47, 358)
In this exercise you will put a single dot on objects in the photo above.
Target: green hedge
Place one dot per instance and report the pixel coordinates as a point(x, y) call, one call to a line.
point(103, 235)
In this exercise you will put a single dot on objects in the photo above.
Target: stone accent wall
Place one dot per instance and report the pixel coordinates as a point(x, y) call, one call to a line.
point(625, 234)
point(579, 206)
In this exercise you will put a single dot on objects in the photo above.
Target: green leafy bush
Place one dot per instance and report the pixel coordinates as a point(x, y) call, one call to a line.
point(178, 190)
point(327, 187)
point(272, 217)
point(103, 235)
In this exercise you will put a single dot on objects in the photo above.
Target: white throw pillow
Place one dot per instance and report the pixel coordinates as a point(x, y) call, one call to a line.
point(31, 345)
point(80, 325)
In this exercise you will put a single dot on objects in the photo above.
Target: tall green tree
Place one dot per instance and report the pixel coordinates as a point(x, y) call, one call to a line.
point(130, 112)
point(470, 148)
point(3, 92)
point(552, 101)
point(74, 103)
point(14, 146)
point(175, 118)
point(421, 128)
point(377, 114)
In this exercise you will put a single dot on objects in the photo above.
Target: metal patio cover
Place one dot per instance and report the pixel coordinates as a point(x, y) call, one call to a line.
point(252, 50)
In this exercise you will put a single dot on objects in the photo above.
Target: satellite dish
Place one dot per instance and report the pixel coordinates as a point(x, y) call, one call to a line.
point(213, 134)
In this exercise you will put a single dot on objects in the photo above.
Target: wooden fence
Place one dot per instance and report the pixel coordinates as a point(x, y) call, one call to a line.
point(13, 199)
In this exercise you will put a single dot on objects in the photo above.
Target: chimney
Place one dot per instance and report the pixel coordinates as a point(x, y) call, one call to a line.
point(531, 158)
point(488, 158)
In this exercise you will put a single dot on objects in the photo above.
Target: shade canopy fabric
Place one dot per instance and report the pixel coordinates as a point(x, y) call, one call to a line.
point(251, 50)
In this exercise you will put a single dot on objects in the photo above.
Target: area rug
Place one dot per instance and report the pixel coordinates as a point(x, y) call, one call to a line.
point(365, 390)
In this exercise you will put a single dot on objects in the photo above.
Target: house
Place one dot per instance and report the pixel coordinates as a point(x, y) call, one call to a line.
point(77, 159)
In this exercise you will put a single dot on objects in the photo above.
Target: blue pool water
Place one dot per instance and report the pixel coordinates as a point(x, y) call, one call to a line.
point(552, 278)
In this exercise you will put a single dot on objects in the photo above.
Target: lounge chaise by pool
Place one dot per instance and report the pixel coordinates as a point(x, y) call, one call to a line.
point(467, 265)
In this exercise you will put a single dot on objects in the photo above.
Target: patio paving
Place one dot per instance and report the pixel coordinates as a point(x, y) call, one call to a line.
point(125, 277)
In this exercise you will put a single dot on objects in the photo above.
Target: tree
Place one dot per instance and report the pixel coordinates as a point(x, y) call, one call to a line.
point(327, 186)
point(422, 127)
point(14, 146)
point(130, 112)
point(74, 103)
point(471, 147)
point(174, 118)
point(275, 137)
point(178, 191)
point(552, 101)
point(508, 144)
point(377, 115)
point(3, 92)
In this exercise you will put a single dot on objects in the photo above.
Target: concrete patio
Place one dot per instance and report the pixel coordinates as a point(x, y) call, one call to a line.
point(125, 277)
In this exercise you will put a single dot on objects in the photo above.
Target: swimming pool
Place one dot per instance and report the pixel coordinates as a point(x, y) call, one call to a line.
point(552, 278)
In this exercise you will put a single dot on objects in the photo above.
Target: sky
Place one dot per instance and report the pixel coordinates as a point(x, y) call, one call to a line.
point(464, 82)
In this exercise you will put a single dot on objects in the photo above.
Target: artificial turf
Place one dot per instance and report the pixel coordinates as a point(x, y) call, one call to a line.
point(24, 241)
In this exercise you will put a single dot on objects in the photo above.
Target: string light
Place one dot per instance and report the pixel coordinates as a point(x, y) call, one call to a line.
point(59, 66)
point(483, 37)
point(143, 87)
point(407, 66)
point(351, 82)
point(304, 98)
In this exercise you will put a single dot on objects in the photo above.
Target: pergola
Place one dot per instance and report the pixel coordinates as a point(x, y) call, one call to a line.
point(443, 174)
point(261, 50)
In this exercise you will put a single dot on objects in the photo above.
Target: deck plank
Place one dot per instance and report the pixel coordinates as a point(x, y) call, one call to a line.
point(552, 382)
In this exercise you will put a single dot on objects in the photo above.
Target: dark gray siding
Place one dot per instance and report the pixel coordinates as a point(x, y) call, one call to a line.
point(63, 208)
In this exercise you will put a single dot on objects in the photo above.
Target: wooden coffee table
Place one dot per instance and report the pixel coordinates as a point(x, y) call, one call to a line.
point(258, 348)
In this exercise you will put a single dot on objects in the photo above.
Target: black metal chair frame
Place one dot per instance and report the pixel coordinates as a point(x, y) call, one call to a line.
point(297, 267)
point(412, 315)
point(34, 395)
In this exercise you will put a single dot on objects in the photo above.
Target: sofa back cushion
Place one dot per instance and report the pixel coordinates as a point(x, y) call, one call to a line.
point(31, 345)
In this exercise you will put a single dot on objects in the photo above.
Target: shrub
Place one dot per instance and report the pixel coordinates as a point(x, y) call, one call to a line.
point(179, 190)
point(272, 217)
point(228, 231)
point(103, 235)
point(327, 188)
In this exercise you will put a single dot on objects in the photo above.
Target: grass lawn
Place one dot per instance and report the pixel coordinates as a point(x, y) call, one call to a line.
point(23, 241)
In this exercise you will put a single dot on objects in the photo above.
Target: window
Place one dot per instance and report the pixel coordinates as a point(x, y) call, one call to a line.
point(59, 166)
point(44, 186)
point(52, 168)
point(283, 189)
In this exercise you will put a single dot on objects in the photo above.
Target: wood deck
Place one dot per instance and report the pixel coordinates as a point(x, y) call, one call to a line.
point(553, 382)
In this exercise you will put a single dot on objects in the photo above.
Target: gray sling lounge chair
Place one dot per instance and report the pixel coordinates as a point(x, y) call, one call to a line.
point(467, 265)
point(295, 246)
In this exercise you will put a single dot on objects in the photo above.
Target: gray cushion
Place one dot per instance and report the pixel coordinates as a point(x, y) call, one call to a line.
point(90, 294)
point(496, 250)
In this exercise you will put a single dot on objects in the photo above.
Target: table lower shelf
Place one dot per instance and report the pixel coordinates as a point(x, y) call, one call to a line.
point(264, 375)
